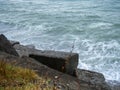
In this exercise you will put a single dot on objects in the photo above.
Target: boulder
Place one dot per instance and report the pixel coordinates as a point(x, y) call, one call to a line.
point(14, 42)
point(115, 85)
point(62, 61)
point(30, 46)
point(6, 46)
point(90, 76)
point(90, 80)
point(25, 50)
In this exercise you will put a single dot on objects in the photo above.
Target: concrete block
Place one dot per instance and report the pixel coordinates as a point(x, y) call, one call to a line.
point(62, 61)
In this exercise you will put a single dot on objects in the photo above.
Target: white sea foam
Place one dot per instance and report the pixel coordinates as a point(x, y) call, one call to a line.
point(102, 57)
point(28, 1)
point(100, 25)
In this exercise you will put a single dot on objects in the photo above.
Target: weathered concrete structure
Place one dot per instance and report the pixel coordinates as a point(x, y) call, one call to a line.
point(61, 61)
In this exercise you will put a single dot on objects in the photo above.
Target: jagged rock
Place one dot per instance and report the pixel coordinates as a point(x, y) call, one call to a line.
point(59, 79)
point(92, 80)
point(14, 42)
point(90, 76)
point(61, 61)
point(115, 85)
point(30, 46)
point(25, 50)
point(6, 46)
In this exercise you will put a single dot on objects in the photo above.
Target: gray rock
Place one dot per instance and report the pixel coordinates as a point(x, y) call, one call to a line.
point(30, 46)
point(24, 50)
point(90, 80)
point(90, 76)
point(14, 42)
point(6, 46)
point(115, 85)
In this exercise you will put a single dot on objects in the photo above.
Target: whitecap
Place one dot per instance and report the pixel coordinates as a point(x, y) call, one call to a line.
point(100, 25)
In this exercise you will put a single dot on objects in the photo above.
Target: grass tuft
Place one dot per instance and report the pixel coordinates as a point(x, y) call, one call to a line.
point(18, 78)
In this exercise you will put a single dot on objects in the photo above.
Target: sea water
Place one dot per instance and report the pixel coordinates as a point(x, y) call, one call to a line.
point(88, 27)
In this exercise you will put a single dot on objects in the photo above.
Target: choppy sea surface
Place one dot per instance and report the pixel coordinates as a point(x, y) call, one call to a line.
point(91, 26)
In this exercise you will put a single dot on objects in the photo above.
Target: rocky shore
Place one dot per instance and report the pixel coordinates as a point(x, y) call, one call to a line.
point(61, 67)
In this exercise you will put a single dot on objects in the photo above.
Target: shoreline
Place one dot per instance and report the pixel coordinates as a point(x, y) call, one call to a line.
point(115, 85)
point(88, 80)
point(31, 46)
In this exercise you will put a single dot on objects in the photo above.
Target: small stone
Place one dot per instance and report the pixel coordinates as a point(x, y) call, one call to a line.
point(67, 84)
point(56, 77)
point(59, 87)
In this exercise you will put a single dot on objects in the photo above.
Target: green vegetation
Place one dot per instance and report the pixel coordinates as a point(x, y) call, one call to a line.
point(18, 78)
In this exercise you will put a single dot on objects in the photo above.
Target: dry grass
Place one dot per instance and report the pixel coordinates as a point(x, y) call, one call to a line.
point(18, 78)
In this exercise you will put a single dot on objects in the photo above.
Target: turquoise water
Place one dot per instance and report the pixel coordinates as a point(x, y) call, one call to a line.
point(92, 27)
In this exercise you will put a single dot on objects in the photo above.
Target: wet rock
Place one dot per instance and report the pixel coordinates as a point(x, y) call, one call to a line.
point(6, 46)
point(90, 76)
point(115, 85)
point(30, 46)
point(61, 61)
point(90, 80)
point(25, 50)
point(14, 42)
